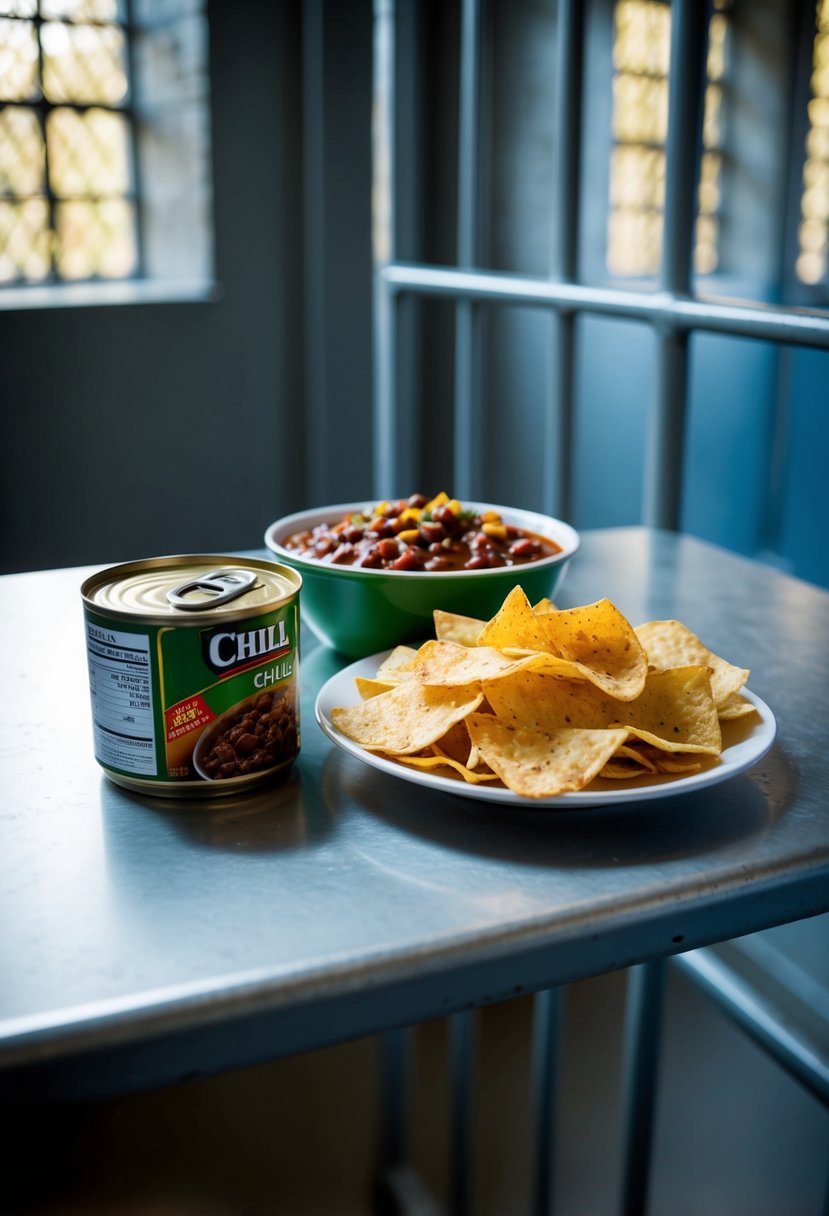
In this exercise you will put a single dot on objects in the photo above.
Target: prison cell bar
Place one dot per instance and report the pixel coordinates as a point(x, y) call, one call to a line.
point(673, 313)
point(662, 503)
point(564, 254)
point(467, 430)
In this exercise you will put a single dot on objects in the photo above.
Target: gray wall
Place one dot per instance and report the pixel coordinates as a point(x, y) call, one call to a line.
point(136, 430)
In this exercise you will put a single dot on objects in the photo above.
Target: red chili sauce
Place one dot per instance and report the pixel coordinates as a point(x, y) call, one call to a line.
point(421, 534)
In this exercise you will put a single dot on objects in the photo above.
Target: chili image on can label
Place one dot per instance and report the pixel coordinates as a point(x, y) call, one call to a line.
point(194, 672)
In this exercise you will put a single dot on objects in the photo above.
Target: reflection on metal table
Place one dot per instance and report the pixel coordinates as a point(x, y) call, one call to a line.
point(148, 940)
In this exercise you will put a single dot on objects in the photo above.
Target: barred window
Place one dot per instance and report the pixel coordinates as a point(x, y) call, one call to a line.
point(68, 208)
point(813, 232)
point(641, 52)
point(104, 141)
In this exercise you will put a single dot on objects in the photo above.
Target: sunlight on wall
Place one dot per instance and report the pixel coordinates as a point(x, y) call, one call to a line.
point(641, 54)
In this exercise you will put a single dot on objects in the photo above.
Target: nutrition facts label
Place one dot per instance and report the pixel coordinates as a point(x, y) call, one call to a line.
point(122, 699)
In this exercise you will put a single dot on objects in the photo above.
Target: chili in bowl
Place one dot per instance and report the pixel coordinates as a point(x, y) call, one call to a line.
point(415, 534)
point(374, 572)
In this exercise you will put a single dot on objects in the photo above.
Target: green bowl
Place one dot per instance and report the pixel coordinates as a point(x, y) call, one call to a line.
point(360, 612)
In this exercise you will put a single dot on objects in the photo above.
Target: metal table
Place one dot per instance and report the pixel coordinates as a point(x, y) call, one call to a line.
point(146, 941)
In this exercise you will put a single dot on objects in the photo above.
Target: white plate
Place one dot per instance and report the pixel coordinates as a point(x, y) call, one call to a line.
point(746, 740)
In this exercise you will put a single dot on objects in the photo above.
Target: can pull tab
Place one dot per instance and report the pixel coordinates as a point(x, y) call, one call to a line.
point(219, 586)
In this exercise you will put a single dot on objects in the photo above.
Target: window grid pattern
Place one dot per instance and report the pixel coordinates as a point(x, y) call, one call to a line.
point(641, 51)
point(68, 207)
point(673, 311)
point(813, 232)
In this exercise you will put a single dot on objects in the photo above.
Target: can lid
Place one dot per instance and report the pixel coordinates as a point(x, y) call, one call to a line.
point(186, 589)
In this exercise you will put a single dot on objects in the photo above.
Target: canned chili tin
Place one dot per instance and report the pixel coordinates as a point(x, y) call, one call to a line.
point(193, 672)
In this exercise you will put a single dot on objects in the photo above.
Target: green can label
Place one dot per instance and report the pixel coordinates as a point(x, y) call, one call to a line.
point(198, 701)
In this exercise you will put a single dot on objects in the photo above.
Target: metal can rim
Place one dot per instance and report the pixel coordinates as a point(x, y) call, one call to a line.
point(234, 611)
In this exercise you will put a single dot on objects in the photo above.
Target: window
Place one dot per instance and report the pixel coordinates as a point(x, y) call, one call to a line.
point(641, 46)
point(98, 97)
point(68, 206)
point(813, 232)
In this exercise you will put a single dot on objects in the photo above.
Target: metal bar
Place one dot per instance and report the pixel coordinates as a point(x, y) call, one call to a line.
point(468, 451)
point(798, 93)
point(803, 26)
point(468, 134)
point(461, 1036)
point(51, 203)
point(745, 1006)
point(385, 436)
point(135, 158)
point(402, 1192)
point(643, 1019)
point(468, 432)
point(689, 39)
point(567, 146)
point(558, 437)
point(395, 1088)
point(546, 1053)
point(564, 254)
point(407, 386)
point(664, 460)
point(313, 188)
point(399, 1189)
point(385, 429)
point(799, 326)
point(663, 481)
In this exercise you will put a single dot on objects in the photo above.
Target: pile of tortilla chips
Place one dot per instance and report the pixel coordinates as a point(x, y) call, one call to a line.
point(544, 700)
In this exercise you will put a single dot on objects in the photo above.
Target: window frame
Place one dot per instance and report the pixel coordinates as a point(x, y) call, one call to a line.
point(42, 106)
point(150, 113)
point(672, 308)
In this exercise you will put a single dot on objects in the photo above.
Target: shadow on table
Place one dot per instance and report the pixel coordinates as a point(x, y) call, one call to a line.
point(272, 819)
point(629, 834)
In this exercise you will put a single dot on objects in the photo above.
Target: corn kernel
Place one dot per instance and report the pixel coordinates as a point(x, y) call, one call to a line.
point(408, 536)
point(455, 507)
point(490, 517)
point(439, 500)
point(496, 531)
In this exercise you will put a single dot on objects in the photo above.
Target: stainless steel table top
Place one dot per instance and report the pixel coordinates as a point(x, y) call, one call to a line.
point(145, 940)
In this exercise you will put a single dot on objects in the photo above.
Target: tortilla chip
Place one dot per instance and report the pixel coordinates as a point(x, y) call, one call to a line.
point(735, 706)
point(675, 711)
point(455, 744)
point(515, 625)
point(438, 761)
point(627, 762)
point(372, 688)
point(448, 664)
point(652, 759)
point(398, 664)
point(671, 644)
point(407, 719)
point(543, 606)
point(603, 643)
point(672, 763)
point(594, 642)
point(451, 627)
point(538, 764)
